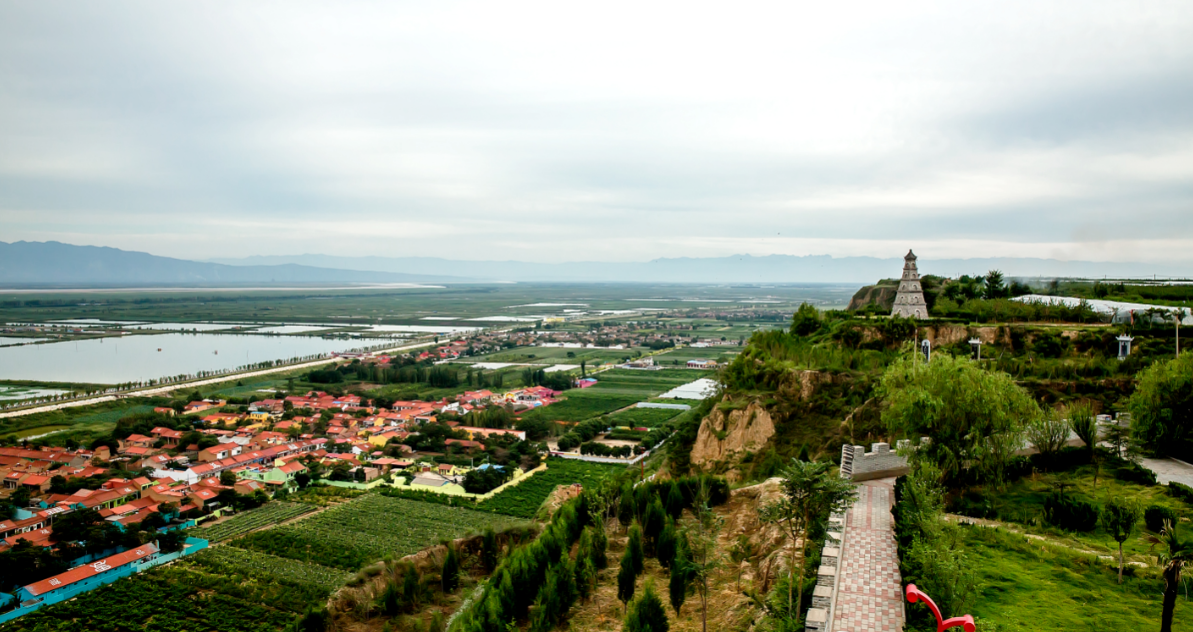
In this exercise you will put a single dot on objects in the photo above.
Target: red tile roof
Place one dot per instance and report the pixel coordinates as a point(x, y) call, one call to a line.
point(86, 571)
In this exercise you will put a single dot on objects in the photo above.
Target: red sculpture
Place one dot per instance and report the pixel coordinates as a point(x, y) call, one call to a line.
point(966, 622)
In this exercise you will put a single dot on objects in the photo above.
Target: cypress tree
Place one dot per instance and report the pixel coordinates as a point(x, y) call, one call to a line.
point(410, 587)
point(665, 549)
point(652, 526)
point(451, 571)
point(634, 550)
point(489, 551)
point(647, 614)
point(600, 547)
point(680, 576)
point(625, 506)
point(675, 502)
point(625, 578)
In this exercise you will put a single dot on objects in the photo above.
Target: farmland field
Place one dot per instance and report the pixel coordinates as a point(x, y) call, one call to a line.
point(644, 417)
point(557, 355)
point(229, 561)
point(264, 516)
point(220, 590)
point(581, 405)
point(523, 500)
point(366, 529)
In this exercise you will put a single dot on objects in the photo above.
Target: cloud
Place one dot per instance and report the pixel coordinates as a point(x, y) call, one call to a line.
point(548, 131)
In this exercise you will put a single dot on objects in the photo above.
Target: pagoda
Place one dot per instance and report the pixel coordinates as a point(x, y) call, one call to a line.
point(909, 302)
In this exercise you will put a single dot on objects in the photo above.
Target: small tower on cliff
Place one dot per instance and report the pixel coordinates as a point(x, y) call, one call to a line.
point(909, 302)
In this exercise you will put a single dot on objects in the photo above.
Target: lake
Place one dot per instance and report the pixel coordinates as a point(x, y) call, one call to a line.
point(136, 358)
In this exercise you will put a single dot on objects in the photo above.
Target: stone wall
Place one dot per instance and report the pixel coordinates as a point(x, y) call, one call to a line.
point(879, 462)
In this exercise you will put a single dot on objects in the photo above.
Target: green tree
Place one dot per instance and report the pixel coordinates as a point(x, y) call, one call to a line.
point(625, 506)
point(1084, 424)
point(665, 548)
point(451, 571)
point(995, 287)
point(489, 551)
point(647, 614)
point(653, 524)
point(1047, 433)
point(675, 501)
point(1162, 406)
point(805, 321)
point(1119, 518)
point(811, 492)
point(680, 583)
point(974, 417)
point(626, 577)
point(227, 478)
point(635, 551)
point(1176, 550)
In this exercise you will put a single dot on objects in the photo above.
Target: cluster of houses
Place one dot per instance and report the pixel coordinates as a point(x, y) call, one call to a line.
point(263, 452)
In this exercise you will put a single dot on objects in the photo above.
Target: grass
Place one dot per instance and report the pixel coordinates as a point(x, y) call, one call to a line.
point(1024, 585)
point(1022, 503)
point(525, 498)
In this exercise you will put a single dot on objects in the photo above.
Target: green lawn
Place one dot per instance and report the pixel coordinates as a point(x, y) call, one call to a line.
point(1026, 586)
point(1022, 503)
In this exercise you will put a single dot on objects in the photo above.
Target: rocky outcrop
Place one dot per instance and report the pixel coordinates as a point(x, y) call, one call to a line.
point(727, 433)
point(723, 434)
point(952, 334)
point(882, 294)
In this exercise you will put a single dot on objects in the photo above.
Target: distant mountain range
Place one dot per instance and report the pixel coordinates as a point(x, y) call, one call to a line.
point(732, 269)
point(53, 263)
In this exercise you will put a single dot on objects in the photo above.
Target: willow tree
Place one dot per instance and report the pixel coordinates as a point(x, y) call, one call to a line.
point(974, 418)
point(1162, 406)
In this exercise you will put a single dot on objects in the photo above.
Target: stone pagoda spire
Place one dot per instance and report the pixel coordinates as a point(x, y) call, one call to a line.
point(909, 302)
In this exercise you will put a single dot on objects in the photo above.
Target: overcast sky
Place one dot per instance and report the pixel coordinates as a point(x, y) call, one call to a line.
point(617, 131)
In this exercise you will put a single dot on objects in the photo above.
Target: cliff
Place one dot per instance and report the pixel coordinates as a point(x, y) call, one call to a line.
point(728, 432)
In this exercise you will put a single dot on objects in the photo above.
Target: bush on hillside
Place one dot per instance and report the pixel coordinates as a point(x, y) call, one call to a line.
point(1156, 515)
point(1071, 514)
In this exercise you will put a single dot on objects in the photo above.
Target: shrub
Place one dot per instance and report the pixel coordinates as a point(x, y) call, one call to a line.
point(1135, 473)
point(1183, 492)
point(1155, 516)
point(1072, 514)
point(647, 614)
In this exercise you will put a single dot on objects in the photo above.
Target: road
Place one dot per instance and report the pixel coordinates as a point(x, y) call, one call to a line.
point(162, 390)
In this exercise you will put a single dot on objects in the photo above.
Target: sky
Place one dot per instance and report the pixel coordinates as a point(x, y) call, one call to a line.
point(612, 131)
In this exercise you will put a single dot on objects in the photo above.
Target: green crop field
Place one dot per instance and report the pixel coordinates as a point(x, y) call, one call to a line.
point(524, 499)
point(581, 405)
point(216, 590)
point(264, 516)
point(231, 561)
point(553, 355)
point(368, 528)
point(644, 417)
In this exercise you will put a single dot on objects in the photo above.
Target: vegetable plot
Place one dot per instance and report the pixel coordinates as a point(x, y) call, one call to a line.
point(267, 515)
point(366, 529)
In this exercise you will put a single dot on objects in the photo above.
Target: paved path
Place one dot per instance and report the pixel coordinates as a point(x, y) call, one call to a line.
point(869, 592)
point(1169, 470)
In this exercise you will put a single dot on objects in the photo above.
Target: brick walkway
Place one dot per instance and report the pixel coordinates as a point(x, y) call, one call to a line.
point(869, 597)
